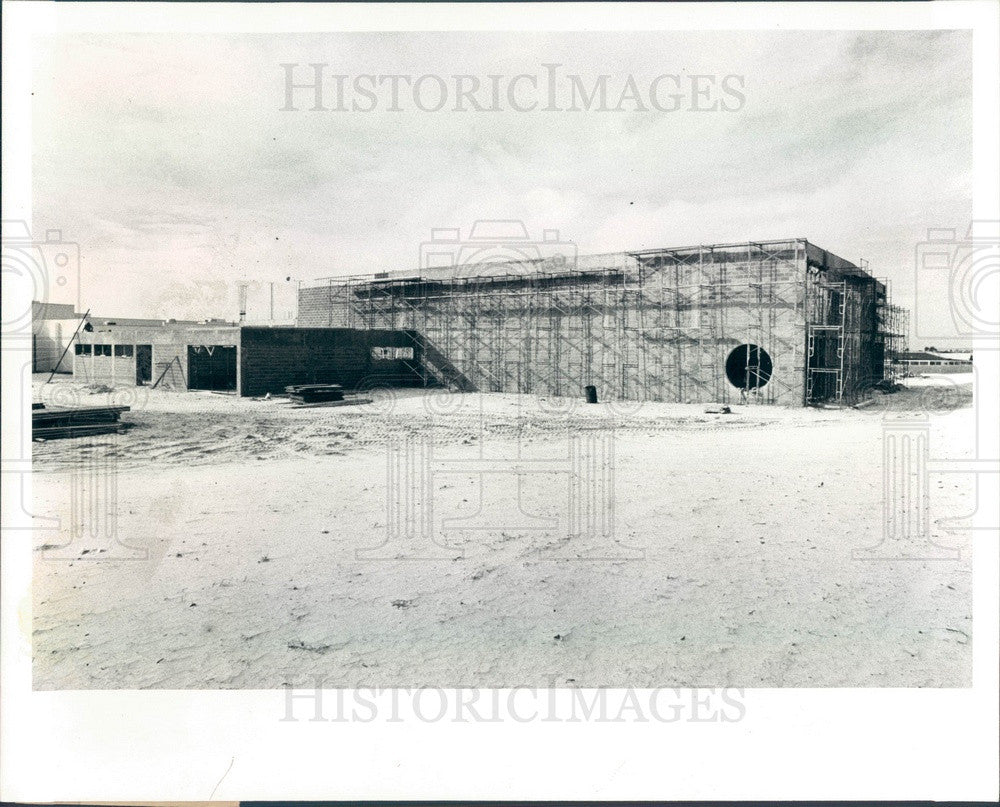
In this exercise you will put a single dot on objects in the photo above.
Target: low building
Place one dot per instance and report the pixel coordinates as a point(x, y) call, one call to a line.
point(53, 326)
point(922, 362)
point(243, 359)
point(56, 324)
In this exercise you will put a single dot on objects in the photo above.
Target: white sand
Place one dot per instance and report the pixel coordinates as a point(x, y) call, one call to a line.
point(251, 514)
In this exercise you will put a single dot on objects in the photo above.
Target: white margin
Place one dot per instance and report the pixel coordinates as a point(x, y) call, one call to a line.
point(175, 745)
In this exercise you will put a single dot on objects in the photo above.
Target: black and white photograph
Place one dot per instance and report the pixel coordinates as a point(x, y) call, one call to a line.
point(600, 371)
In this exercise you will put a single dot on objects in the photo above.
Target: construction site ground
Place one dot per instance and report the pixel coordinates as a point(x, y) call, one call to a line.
point(243, 546)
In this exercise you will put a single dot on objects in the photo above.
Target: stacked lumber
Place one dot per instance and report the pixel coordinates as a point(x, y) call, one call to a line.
point(315, 393)
point(83, 421)
point(352, 401)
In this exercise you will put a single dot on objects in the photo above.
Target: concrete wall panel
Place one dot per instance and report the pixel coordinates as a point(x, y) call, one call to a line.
point(273, 358)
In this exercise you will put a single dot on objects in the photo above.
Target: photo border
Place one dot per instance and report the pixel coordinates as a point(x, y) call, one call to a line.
point(195, 744)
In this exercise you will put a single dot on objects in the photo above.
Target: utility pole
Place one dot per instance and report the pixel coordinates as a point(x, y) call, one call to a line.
point(243, 302)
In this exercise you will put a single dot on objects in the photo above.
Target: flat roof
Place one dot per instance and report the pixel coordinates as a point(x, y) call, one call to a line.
point(924, 356)
point(556, 264)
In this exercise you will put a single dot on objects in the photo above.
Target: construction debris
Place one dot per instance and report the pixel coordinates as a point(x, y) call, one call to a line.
point(346, 402)
point(315, 393)
point(84, 421)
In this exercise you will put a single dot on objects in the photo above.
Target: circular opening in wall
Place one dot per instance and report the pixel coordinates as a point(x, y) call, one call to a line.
point(748, 367)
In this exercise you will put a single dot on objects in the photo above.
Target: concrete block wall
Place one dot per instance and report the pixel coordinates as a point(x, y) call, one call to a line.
point(273, 358)
point(114, 371)
point(323, 307)
point(50, 339)
point(169, 346)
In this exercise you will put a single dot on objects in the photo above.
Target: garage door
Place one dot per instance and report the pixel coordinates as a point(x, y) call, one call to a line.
point(212, 367)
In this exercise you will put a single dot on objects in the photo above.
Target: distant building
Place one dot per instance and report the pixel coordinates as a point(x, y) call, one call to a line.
point(923, 361)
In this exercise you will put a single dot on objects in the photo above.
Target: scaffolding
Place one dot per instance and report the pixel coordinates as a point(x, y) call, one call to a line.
point(893, 332)
point(660, 324)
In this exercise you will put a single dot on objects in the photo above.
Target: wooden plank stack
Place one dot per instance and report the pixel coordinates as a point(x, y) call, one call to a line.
point(84, 421)
point(315, 393)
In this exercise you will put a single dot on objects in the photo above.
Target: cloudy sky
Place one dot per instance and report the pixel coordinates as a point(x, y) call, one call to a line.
point(169, 160)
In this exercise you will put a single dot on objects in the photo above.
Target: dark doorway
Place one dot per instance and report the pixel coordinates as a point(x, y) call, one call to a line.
point(212, 367)
point(748, 367)
point(143, 364)
point(825, 363)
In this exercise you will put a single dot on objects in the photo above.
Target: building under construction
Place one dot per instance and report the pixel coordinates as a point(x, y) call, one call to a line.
point(780, 322)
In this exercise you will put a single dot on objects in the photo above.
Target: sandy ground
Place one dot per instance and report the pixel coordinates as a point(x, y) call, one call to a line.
point(235, 528)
